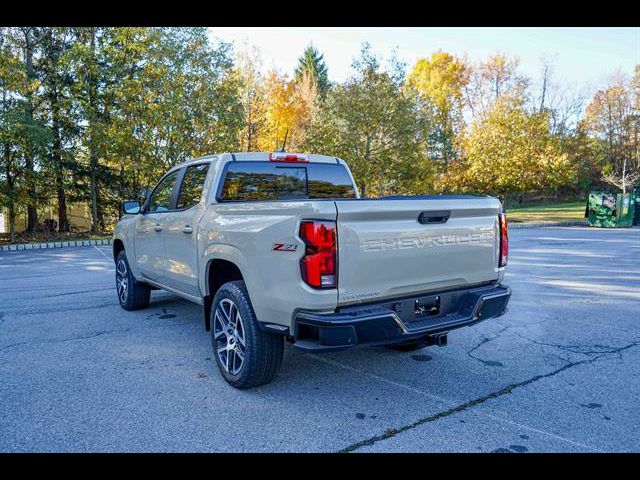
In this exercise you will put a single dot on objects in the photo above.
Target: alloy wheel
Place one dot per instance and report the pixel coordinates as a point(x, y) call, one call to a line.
point(229, 338)
point(122, 280)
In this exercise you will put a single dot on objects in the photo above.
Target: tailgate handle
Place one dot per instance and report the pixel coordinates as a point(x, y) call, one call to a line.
point(434, 216)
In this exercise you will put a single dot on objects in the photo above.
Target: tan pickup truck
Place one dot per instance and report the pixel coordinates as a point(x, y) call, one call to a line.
point(280, 247)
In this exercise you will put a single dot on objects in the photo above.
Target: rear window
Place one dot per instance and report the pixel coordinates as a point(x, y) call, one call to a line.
point(246, 181)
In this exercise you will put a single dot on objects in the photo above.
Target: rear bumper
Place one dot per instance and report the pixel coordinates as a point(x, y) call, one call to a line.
point(398, 320)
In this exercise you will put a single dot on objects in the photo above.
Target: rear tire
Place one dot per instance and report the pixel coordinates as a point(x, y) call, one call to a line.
point(132, 295)
point(246, 355)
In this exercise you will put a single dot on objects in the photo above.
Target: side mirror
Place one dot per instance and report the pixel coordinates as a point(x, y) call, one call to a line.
point(131, 207)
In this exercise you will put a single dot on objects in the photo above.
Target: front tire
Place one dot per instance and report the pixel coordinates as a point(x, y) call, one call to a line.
point(132, 295)
point(246, 356)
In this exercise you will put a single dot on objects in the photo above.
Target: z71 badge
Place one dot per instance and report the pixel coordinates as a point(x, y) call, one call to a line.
point(284, 247)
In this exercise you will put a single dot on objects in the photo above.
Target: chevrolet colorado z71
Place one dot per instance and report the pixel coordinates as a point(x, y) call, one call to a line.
point(279, 246)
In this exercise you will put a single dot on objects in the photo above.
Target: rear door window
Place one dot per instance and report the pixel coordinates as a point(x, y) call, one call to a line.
point(192, 185)
point(260, 181)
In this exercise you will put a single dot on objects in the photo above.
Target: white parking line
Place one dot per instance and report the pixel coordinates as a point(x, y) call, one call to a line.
point(102, 253)
point(446, 402)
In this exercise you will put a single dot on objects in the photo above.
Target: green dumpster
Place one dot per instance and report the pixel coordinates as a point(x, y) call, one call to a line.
point(609, 210)
point(635, 196)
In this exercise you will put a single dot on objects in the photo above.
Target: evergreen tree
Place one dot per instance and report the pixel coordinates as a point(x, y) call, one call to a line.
point(312, 63)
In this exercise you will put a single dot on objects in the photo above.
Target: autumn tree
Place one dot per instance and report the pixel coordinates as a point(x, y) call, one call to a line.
point(310, 102)
point(440, 81)
point(94, 114)
point(287, 107)
point(491, 79)
point(200, 91)
point(152, 97)
point(510, 150)
point(252, 97)
point(613, 120)
point(371, 123)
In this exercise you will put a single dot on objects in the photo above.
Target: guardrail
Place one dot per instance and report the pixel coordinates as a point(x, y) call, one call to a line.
point(46, 245)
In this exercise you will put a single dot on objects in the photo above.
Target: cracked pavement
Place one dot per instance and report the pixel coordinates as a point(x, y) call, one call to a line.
point(559, 372)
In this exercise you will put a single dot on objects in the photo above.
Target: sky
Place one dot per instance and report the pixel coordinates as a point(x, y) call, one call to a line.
point(582, 57)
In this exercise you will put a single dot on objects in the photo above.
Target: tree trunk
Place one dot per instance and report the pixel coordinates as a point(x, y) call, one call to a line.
point(32, 214)
point(12, 222)
point(101, 223)
point(63, 219)
point(93, 153)
point(94, 190)
point(9, 178)
point(10, 196)
point(544, 87)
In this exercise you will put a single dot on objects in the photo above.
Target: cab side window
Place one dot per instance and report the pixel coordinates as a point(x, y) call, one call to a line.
point(192, 186)
point(160, 200)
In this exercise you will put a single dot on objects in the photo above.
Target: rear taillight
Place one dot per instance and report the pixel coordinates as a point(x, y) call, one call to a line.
point(288, 157)
point(319, 264)
point(504, 240)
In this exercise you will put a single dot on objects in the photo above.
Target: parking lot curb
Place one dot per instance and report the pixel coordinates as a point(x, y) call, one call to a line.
point(48, 245)
point(575, 223)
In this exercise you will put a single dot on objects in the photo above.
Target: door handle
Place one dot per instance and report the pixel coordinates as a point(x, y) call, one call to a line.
point(158, 227)
point(187, 229)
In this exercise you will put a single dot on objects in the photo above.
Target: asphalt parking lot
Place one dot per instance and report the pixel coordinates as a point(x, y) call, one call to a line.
point(559, 372)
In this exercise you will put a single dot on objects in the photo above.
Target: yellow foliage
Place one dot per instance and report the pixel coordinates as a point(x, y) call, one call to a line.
point(440, 79)
point(509, 150)
point(282, 110)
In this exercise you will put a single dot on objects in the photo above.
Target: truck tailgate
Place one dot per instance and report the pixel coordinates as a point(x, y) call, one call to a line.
point(386, 250)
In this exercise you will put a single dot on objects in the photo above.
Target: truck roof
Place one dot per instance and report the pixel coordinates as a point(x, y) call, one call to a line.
point(255, 157)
